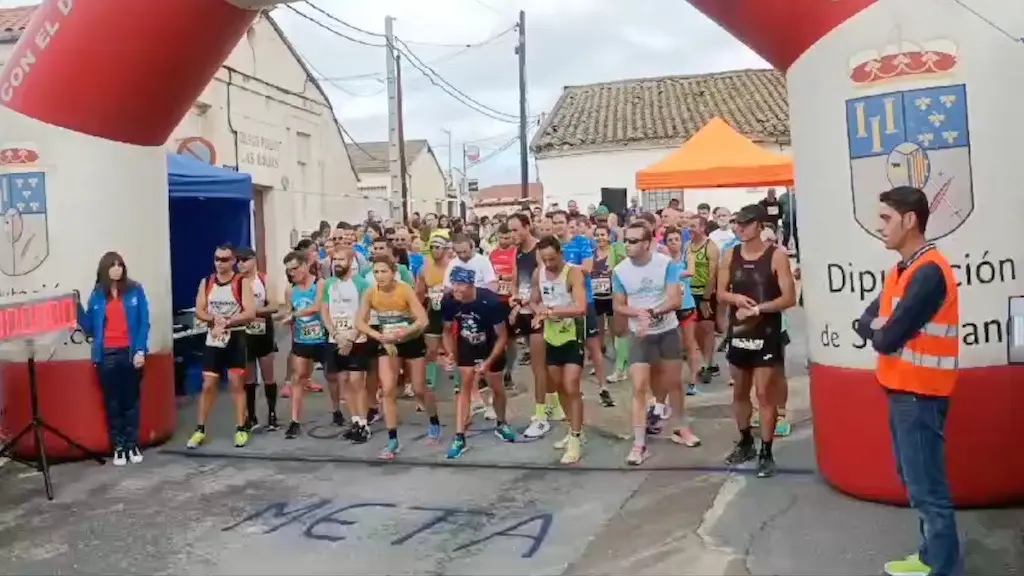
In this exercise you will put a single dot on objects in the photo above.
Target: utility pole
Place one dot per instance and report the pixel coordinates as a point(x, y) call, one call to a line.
point(451, 175)
point(524, 152)
point(464, 187)
point(394, 140)
point(406, 201)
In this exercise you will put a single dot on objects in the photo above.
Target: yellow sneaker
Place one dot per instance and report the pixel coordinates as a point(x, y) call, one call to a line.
point(196, 440)
point(555, 413)
point(561, 444)
point(241, 438)
point(573, 450)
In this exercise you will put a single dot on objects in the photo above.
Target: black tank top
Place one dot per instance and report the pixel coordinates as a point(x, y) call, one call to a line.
point(526, 263)
point(754, 279)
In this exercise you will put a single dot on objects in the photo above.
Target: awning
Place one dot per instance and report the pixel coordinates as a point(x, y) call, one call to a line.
point(717, 157)
point(190, 178)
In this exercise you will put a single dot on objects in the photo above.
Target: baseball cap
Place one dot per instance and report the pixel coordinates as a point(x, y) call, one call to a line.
point(751, 213)
point(601, 211)
point(245, 253)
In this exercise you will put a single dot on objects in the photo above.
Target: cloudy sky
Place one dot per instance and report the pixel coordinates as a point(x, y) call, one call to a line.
point(569, 42)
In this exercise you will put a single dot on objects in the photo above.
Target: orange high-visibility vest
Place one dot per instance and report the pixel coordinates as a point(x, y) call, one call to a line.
point(927, 364)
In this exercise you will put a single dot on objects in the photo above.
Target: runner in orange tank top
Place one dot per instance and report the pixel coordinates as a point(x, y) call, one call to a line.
point(503, 258)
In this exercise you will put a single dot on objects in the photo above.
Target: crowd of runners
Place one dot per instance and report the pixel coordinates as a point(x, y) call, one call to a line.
point(389, 308)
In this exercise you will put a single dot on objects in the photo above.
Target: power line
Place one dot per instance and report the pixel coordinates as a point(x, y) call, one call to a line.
point(329, 29)
point(437, 80)
point(466, 45)
point(496, 152)
point(428, 72)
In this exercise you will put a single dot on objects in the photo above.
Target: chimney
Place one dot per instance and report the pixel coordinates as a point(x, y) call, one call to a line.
point(780, 31)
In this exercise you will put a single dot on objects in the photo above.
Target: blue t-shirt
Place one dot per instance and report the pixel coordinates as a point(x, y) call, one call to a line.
point(477, 321)
point(688, 302)
point(732, 243)
point(416, 262)
point(577, 251)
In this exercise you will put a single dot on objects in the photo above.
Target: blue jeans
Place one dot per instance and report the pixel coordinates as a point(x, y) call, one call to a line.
point(918, 438)
point(121, 382)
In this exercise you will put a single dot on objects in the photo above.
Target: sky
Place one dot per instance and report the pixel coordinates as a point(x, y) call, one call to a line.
point(568, 42)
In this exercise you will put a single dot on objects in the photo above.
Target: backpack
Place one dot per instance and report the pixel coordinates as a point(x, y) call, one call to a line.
point(236, 286)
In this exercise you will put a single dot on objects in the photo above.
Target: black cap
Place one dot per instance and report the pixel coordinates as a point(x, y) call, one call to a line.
point(245, 252)
point(751, 213)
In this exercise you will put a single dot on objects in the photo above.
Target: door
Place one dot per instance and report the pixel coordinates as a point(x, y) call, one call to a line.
point(259, 227)
point(614, 199)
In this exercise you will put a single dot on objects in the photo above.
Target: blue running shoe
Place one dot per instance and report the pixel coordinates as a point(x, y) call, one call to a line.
point(691, 390)
point(434, 434)
point(391, 451)
point(457, 449)
point(505, 432)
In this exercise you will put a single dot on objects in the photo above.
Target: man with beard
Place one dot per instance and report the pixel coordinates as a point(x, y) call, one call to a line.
point(546, 405)
point(348, 352)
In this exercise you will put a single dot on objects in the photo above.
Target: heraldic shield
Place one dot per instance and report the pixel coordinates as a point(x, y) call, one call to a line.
point(916, 138)
point(26, 241)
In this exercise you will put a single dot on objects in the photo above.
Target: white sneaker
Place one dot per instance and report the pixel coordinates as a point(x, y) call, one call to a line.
point(477, 407)
point(135, 456)
point(120, 459)
point(537, 428)
point(490, 414)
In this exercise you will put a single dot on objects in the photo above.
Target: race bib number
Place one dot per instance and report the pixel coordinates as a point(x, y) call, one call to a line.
point(563, 325)
point(436, 294)
point(658, 321)
point(342, 323)
point(747, 343)
point(312, 331)
point(773, 210)
point(602, 285)
point(505, 287)
point(257, 327)
point(393, 327)
point(220, 341)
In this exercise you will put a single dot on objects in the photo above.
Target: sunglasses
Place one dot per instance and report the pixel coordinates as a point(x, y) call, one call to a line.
point(223, 259)
point(244, 258)
point(632, 241)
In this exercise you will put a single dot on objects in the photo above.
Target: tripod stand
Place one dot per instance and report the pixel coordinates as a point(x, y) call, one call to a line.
point(37, 425)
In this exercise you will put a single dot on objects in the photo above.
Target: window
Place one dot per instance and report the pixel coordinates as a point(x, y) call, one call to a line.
point(303, 151)
point(654, 201)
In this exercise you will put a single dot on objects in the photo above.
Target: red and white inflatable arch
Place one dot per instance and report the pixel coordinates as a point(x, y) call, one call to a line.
point(894, 92)
point(87, 101)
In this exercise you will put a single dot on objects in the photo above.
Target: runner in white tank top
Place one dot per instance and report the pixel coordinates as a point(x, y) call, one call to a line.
point(559, 299)
point(259, 342)
point(225, 304)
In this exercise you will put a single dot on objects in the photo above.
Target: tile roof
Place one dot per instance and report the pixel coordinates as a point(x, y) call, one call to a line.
point(371, 157)
point(14, 20)
point(508, 194)
point(665, 111)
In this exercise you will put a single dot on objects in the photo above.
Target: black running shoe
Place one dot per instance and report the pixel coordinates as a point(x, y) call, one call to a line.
point(252, 425)
point(742, 453)
point(349, 430)
point(704, 375)
point(714, 370)
point(338, 419)
point(766, 465)
point(272, 424)
point(294, 430)
point(507, 380)
point(653, 422)
point(360, 434)
point(606, 399)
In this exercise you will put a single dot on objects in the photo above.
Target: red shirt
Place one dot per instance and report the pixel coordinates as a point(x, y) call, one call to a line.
point(115, 329)
point(504, 262)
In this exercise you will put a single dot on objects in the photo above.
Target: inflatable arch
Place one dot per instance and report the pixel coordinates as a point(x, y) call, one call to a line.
point(889, 92)
point(87, 101)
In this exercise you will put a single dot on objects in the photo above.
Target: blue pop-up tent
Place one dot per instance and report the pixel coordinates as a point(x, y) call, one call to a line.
point(208, 206)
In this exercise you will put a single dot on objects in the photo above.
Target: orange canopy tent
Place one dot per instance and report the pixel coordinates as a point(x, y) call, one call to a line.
point(717, 157)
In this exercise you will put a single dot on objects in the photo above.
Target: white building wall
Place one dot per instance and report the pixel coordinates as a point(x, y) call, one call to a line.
point(284, 134)
point(427, 185)
point(580, 177)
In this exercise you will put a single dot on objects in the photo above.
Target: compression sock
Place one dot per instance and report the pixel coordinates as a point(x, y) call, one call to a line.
point(552, 399)
point(541, 411)
point(432, 374)
point(621, 353)
point(270, 391)
point(250, 399)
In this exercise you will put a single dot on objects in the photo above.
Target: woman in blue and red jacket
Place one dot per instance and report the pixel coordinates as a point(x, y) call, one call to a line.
point(116, 317)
